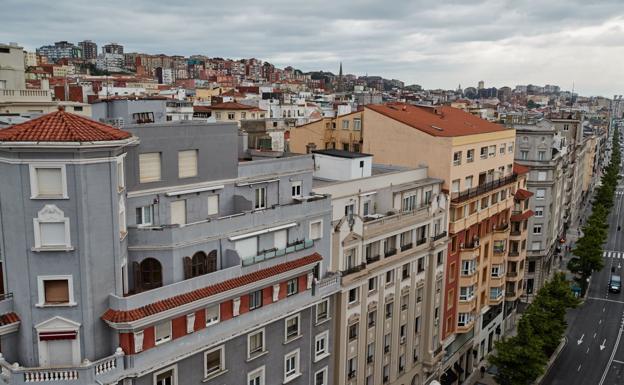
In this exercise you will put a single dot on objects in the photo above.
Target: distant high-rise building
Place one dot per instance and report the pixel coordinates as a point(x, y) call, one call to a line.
point(60, 50)
point(89, 49)
point(481, 84)
point(113, 48)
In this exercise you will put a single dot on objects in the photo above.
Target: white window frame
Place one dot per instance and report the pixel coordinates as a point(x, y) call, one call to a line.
point(290, 289)
point(324, 338)
point(41, 290)
point(143, 180)
point(289, 377)
point(539, 210)
point(250, 354)
point(138, 341)
point(537, 227)
point(173, 368)
point(296, 189)
point(324, 371)
point(290, 338)
point(165, 339)
point(260, 198)
point(537, 196)
point(327, 317)
point(320, 235)
point(149, 208)
point(34, 183)
point(222, 369)
point(123, 227)
point(121, 174)
point(212, 321)
point(211, 210)
point(259, 372)
point(51, 214)
point(190, 323)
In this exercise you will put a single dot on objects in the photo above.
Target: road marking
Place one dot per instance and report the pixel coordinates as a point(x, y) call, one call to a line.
point(603, 345)
point(617, 343)
point(579, 368)
point(587, 351)
point(602, 299)
point(600, 322)
point(603, 309)
point(580, 341)
point(618, 362)
point(594, 335)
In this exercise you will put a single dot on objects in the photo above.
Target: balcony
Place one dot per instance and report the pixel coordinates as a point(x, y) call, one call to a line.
point(438, 236)
point(372, 259)
point(458, 197)
point(393, 221)
point(353, 269)
point(104, 371)
point(390, 252)
point(274, 253)
point(406, 246)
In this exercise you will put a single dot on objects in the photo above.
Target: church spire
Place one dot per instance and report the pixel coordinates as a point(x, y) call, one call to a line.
point(339, 88)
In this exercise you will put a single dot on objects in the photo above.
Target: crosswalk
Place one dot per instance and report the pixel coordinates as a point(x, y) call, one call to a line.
point(613, 254)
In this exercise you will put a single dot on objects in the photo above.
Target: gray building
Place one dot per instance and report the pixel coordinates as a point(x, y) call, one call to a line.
point(120, 111)
point(153, 255)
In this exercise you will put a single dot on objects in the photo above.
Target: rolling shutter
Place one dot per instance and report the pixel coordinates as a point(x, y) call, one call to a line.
point(247, 247)
point(187, 163)
point(178, 212)
point(149, 167)
point(213, 205)
point(49, 181)
point(281, 238)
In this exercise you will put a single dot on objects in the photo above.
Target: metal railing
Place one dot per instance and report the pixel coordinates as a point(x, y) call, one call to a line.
point(461, 196)
point(439, 236)
point(274, 253)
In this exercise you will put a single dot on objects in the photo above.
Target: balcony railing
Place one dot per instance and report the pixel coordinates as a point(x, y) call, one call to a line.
point(353, 269)
point(421, 241)
point(512, 274)
point(406, 246)
point(470, 193)
point(372, 259)
point(274, 253)
point(439, 236)
point(390, 252)
point(514, 253)
point(510, 294)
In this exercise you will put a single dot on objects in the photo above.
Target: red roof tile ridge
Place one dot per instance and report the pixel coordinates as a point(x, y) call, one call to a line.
point(117, 316)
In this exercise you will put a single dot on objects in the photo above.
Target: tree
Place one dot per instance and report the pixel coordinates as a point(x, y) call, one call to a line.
point(519, 359)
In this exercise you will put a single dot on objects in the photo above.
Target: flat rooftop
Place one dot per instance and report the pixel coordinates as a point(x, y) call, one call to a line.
point(341, 153)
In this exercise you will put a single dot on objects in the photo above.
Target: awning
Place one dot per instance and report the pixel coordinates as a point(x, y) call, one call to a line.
point(60, 335)
point(522, 194)
point(449, 377)
point(521, 217)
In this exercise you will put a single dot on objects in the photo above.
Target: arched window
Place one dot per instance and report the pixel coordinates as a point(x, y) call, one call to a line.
point(211, 262)
point(198, 264)
point(416, 380)
point(150, 274)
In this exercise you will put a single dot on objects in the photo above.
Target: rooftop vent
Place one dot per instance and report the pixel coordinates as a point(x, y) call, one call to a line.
point(437, 128)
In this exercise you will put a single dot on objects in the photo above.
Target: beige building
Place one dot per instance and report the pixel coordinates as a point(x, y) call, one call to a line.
point(343, 132)
point(389, 243)
point(228, 112)
point(475, 160)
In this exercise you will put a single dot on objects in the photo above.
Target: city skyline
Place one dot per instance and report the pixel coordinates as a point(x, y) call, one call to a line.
point(563, 43)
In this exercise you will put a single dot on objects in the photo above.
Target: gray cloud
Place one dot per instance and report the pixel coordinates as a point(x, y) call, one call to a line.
point(438, 44)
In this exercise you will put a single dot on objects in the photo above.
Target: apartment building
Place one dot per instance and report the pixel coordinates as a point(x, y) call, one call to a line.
point(343, 132)
point(229, 112)
point(389, 243)
point(475, 160)
point(152, 255)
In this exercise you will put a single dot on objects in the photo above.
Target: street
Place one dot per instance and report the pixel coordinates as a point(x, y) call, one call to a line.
point(594, 351)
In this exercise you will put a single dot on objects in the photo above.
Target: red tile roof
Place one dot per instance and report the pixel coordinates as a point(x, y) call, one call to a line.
point(438, 120)
point(521, 217)
point(232, 106)
point(520, 169)
point(61, 126)
point(118, 316)
point(9, 318)
point(522, 194)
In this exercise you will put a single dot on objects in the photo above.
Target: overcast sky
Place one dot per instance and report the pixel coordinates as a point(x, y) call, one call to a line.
point(437, 43)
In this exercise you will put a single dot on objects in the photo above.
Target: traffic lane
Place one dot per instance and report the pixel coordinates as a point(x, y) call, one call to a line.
point(615, 372)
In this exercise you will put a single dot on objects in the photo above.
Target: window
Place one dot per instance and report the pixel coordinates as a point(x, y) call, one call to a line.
point(214, 361)
point(353, 331)
point(144, 215)
point(455, 186)
point(541, 155)
point(166, 377)
point(492, 151)
point(389, 277)
point(537, 229)
point(401, 363)
point(357, 124)
point(350, 258)
point(260, 198)
point(187, 164)
point(531, 267)
point(255, 300)
point(352, 367)
point(322, 311)
point(150, 273)
point(539, 211)
point(243, 115)
point(417, 325)
point(212, 315)
point(370, 352)
point(349, 209)
point(524, 155)
point(497, 271)
point(213, 205)
point(409, 202)
point(291, 327)
point(387, 342)
point(421, 264)
point(255, 343)
point(231, 116)
point(353, 295)
point(121, 180)
point(123, 228)
point(48, 182)
point(372, 284)
point(536, 246)
point(55, 290)
point(295, 188)
point(386, 373)
point(320, 377)
point(321, 346)
point(178, 212)
point(149, 167)
point(217, 115)
point(470, 156)
point(510, 147)
point(566, 127)
point(372, 317)
point(292, 287)
point(389, 309)
point(469, 267)
point(468, 182)
point(405, 271)
point(316, 230)
point(256, 377)
point(291, 365)
point(540, 193)
point(463, 319)
point(51, 229)
point(541, 176)
point(502, 149)
point(345, 124)
point(138, 341)
point(466, 293)
point(402, 333)
point(162, 332)
point(484, 152)
point(457, 157)
point(419, 294)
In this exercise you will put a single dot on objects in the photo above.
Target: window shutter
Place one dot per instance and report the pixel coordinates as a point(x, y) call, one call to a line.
point(213, 205)
point(187, 263)
point(136, 276)
point(138, 341)
point(211, 262)
point(187, 163)
point(281, 238)
point(178, 212)
point(50, 181)
point(56, 291)
point(247, 247)
point(52, 233)
point(149, 167)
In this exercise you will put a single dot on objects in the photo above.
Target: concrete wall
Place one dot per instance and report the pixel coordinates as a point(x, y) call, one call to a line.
point(124, 109)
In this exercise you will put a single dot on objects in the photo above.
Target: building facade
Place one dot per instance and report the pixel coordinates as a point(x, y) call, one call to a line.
point(156, 257)
point(89, 49)
point(389, 244)
point(343, 132)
